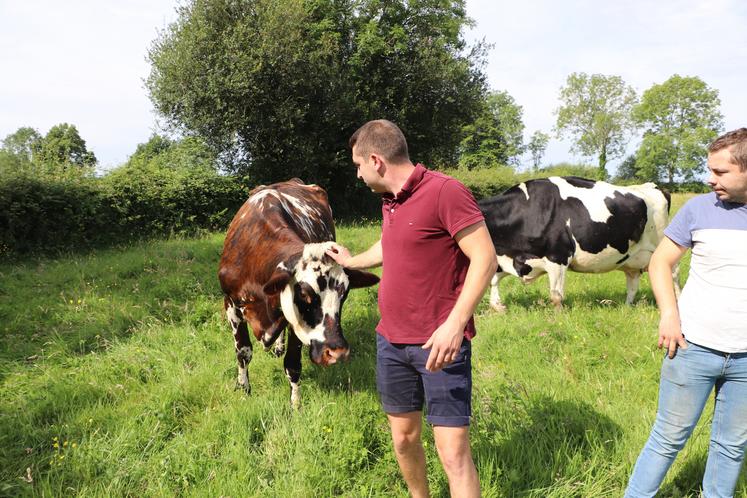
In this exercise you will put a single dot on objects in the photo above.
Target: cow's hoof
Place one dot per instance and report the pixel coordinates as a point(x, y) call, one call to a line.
point(243, 387)
point(277, 352)
point(499, 308)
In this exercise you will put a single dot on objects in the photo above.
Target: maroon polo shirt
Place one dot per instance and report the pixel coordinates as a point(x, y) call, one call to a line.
point(423, 267)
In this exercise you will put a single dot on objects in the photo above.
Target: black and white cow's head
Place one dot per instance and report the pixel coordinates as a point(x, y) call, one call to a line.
point(312, 289)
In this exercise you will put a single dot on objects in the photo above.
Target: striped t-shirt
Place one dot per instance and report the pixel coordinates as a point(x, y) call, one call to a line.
point(713, 304)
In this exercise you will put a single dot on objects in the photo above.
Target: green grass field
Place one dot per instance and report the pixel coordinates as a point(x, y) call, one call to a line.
point(117, 377)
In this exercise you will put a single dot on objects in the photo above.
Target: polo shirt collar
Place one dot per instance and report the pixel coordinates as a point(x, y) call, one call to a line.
point(410, 185)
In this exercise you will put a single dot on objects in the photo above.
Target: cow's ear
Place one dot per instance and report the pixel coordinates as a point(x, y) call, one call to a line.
point(277, 282)
point(360, 279)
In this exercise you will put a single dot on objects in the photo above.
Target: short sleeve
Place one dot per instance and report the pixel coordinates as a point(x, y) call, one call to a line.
point(457, 208)
point(681, 227)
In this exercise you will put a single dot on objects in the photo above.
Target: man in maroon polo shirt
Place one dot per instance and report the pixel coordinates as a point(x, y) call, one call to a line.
point(437, 259)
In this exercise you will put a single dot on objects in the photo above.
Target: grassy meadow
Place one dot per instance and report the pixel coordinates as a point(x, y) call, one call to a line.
point(117, 376)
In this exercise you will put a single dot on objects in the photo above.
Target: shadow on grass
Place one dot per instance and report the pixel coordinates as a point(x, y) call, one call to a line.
point(547, 442)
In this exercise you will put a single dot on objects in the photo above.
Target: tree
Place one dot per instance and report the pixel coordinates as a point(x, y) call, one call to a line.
point(537, 146)
point(278, 86)
point(495, 137)
point(22, 143)
point(596, 112)
point(63, 146)
point(680, 118)
point(627, 170)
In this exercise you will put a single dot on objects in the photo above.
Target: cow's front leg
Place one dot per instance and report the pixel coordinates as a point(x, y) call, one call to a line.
point(556, 276)
point(243, 346)
point(292, 364)
point(632, 280)
point(495, 297)
point(279, 347)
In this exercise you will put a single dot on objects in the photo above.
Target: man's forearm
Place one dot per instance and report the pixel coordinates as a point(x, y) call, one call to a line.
point(481, 270)
point(370, 258)
point(662, 284)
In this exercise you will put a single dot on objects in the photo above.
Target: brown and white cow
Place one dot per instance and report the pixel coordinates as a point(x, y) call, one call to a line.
point(274, 272)
point(551, 225)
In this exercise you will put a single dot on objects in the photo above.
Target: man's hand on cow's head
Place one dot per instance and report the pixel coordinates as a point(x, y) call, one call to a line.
point(339, 253)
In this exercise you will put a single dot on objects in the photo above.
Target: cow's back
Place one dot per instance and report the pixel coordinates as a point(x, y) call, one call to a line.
point(523, 222)
point(590, 226)
point(276, 220)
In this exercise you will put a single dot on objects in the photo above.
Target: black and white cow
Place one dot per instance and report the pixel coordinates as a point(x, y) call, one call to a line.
point(274, 272)
point(550, 225)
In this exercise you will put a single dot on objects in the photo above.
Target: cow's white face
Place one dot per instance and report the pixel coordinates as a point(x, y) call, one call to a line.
point(312, 299)
point(312, 291)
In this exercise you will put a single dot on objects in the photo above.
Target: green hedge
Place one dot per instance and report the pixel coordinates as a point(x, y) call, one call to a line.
point(488, 182)
point(51, 213)
point(485, 182)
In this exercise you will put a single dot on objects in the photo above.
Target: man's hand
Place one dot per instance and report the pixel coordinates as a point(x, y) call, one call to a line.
point(444, 344)
point(339, 253)
point(670, 334)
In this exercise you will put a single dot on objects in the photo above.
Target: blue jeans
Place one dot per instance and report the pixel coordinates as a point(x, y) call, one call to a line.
point(686, 383)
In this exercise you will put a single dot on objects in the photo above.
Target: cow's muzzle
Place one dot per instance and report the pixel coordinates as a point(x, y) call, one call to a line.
point(326, 354)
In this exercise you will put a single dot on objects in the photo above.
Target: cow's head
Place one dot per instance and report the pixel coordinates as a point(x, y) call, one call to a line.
point(312, 289)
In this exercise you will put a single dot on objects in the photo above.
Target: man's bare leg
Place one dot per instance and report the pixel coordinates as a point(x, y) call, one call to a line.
point(456, 457)
point(408, 448)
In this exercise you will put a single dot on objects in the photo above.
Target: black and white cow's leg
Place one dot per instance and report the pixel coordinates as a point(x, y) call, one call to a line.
point(243, 346)
point(495, 297)
point(556, 276)
point(292, 365)
point(632, 280)
point(279, 348)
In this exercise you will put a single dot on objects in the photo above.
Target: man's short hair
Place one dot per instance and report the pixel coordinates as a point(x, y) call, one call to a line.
point(736, 142)
point(381, 137)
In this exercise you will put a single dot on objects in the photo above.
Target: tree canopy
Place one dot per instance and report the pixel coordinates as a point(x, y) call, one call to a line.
point(63, 145)
point(680, 118)
point(61, 149)
point(596, 111)
point(495, 137)
point(537, 146)
point(278, 86)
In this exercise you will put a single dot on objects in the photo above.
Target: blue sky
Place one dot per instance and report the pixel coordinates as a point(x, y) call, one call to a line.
point(83, 62)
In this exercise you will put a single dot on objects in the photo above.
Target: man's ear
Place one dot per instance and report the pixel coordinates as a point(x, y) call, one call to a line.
point(360, 279)
point(378, 163)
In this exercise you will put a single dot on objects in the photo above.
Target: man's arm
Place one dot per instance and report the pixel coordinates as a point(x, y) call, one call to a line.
point(475, 243)
point(370, 258)
point(666, 256)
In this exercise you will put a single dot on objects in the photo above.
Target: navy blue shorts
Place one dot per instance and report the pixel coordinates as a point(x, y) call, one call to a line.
point(405, 385)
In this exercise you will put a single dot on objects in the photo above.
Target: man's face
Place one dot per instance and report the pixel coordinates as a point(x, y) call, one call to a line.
point(367, 171)
point(726, 179)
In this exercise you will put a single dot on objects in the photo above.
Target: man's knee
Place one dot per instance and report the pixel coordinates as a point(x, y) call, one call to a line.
point(454, 450)
point(456, 462)
point(405, 441)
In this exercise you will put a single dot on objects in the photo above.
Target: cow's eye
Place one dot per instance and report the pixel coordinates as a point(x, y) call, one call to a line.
point(307, 298)
point(305, 294)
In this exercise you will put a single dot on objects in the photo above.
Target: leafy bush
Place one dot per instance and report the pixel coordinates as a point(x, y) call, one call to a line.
point(566, 169)
point(46, 211)
point(164, 189)
point(485, 182)
point(152, 200)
